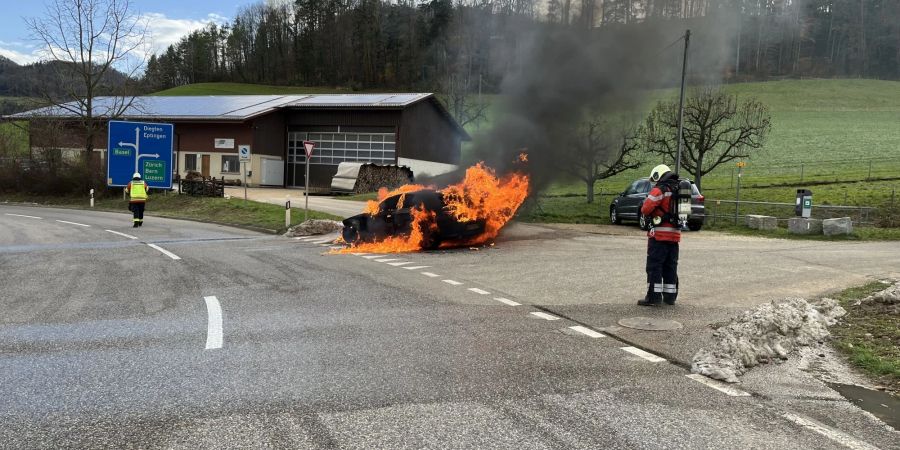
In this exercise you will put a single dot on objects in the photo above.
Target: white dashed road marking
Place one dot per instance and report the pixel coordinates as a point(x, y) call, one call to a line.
point(452, 282)
point(586, 331)
point(416, 267)
point(506, 301)
point(72, 223)
point(214, 330)
point(429, 274)
point(387, 259)
point(165, 252)
point(829, 432)
point(401, 263)
point(23, 215)
point(544, 315)
point(373, 256)
point(359, 254)
point(646, 355)
point(479, 291)
point(122, 234)
point(719, 386)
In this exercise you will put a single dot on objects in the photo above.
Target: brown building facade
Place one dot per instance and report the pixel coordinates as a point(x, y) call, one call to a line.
point(375, 128)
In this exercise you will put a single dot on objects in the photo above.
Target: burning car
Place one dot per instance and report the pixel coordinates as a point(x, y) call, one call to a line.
point(397, 216)
point(416, 217)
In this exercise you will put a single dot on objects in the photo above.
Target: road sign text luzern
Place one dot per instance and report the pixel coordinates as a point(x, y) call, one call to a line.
point(145, 148)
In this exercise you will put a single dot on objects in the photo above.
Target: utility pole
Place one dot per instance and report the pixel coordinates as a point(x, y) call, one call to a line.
point(687, 42)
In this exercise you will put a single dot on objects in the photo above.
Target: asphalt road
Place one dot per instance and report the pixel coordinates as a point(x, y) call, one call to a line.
point(107, 341)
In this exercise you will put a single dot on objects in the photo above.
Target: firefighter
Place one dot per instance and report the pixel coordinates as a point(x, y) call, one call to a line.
point(663, 238)
point(137, 191)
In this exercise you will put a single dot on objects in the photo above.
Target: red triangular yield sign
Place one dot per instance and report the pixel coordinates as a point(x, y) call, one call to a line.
point(309, 146)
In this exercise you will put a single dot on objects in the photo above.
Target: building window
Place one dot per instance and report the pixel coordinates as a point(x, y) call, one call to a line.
point(190, 162)
point(335, 148)
point(230, 164)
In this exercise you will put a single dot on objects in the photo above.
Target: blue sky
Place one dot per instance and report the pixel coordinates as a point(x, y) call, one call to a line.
point(169, 20)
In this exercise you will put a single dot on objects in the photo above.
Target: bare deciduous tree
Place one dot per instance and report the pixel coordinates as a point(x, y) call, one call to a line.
point(90, 40)
point(599, 149)
point(717, 129)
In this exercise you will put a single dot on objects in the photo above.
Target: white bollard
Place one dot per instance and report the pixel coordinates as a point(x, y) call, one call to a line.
point(92, 198)
point(287, 212)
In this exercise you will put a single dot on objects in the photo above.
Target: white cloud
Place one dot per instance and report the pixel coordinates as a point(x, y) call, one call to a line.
point(17, 56)
point(165, 31)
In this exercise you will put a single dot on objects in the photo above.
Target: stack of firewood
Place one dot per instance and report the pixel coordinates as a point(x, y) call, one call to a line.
point(372, 177)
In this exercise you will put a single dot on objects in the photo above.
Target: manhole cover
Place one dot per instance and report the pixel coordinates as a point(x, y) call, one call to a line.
point(649, 323)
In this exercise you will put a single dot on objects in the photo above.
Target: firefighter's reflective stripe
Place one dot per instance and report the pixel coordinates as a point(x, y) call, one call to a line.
point(657, 287)
point(670, 288)
point(668, 229)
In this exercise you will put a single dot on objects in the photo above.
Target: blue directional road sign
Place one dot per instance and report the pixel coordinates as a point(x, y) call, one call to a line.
point(145, 148)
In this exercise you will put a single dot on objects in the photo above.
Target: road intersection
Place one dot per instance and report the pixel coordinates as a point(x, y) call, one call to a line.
point(249, 340)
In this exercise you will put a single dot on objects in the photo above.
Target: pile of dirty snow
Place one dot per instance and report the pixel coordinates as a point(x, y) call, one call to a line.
point(768, 331)
point(889, 299)
point(314, 226)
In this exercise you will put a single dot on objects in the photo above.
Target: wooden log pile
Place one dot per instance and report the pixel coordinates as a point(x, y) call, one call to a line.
point(372, 177)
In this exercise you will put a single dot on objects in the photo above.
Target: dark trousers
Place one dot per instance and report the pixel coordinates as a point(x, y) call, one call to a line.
point(662, 271)
point(137, 209)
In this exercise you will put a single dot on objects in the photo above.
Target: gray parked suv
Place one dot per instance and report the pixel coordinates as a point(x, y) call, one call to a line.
point(627, 205)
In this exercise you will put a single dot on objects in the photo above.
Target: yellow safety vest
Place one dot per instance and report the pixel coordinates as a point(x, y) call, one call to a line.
point(138, 190)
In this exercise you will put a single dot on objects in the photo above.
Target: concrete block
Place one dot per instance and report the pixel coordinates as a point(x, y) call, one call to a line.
point(833, 227)
point(801, 225)
point(758, 222)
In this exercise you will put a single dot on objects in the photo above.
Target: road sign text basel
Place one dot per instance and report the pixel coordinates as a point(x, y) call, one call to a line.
point(145, 148)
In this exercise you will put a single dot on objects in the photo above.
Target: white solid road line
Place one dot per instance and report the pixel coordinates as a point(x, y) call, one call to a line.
point(214, 330)
point(544, 315)
point(165, 252)
point(506, 301)
point(452, 282)
point(830, 433)
point(479, 291)
point(586, 331)
point(429, 274)
point(387, 259)
point(359, 254)
point(401, 263)
point(72, 223)
point(646, 355)
point(717, 385)
point(373, 256)
point(416, 267)
point(122, 234)
point(23, 215)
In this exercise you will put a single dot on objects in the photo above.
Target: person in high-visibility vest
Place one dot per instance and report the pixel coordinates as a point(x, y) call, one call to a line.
point(137, 191)
point(663, 238)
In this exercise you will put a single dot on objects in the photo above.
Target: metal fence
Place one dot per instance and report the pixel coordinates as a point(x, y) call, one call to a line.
point(809, 172)
point(737, 211)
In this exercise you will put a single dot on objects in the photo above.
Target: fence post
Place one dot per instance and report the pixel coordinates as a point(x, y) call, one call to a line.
point(737, 200)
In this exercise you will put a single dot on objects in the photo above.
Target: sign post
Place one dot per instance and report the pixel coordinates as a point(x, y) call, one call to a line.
point(144, 148)
point(244, 154)
point(737, 200)
point(308, 146)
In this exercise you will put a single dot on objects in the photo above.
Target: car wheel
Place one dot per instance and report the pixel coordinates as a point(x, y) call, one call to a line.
point(614, 215)
point(350, 233)
point(695, 226)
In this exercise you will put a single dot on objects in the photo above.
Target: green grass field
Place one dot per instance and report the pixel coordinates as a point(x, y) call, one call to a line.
point(839, 138)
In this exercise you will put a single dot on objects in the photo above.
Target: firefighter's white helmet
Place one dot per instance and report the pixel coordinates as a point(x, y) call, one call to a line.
point(658, 172)
point(136, 176)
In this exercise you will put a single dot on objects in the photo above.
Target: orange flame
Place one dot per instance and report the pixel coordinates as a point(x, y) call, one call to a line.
point(480, 196)
point(523, 157)
point(372, 206)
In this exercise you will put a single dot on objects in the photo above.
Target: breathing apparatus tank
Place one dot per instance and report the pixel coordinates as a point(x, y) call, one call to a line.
point(684, 200)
